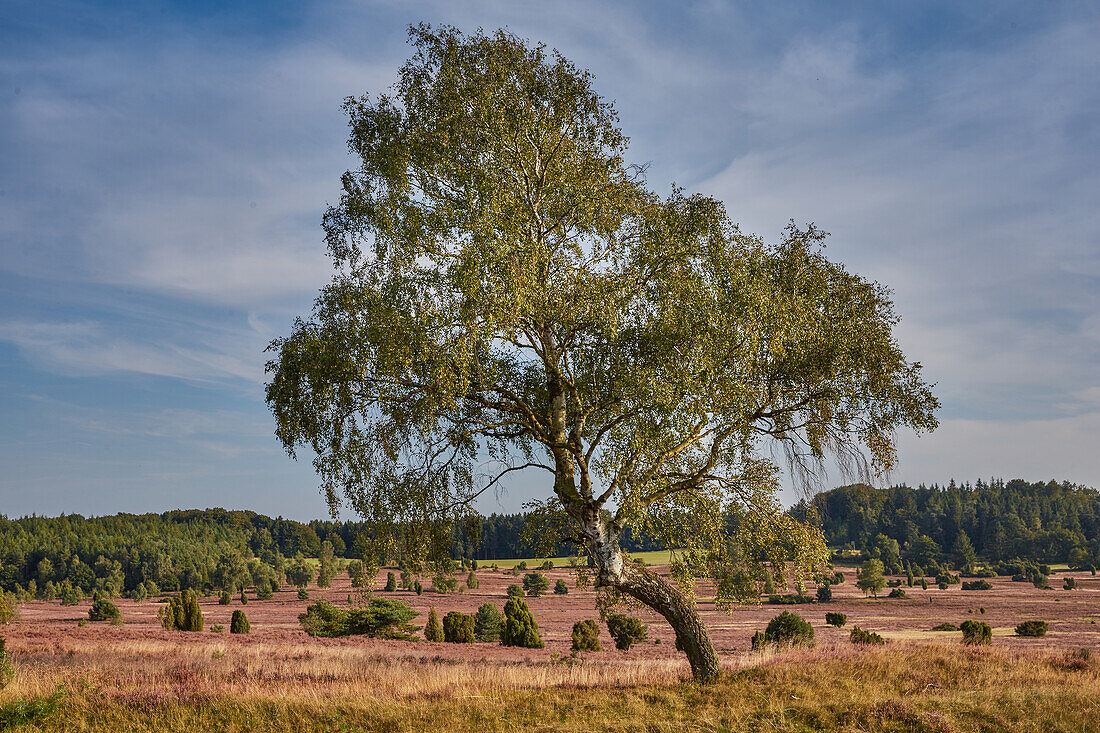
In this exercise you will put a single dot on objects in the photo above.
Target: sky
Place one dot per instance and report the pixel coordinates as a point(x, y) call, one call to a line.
point(164, 167)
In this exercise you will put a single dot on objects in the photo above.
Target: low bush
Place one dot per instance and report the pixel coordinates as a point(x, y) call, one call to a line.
point(238, 624)
point(519, 627)
point(946, 579)
point(862, 636)
point(391, 582)
point(458, 628)
point(182, 613)
point(223, 598)
point(758, 640)
point(789, 629)
point(103, 610)
point(976, 633)
point(560, 588)
point(303, 594)
point(471, 581)
point(824, 593)
point(535, 584)
point(626, 630)
point(946, 626)
point(515, 591)
point(1069, 584)
point(244, 598)
point(382, 618)
point(264, 592)
point(897, 593)
point(836, 619)
point(433, 631)
point(586, 636)
point(1032, 628)
point(487, 623)
point(789, 599)
point(977, 585)
point(838, 578)
point(217, 628)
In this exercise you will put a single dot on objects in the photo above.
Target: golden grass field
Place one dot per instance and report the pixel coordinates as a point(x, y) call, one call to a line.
point(137, 676)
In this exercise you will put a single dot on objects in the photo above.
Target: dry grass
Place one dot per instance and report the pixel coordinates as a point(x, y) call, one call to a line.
point(207, 685)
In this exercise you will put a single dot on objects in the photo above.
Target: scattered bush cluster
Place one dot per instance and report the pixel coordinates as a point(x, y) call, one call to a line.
point(1032, 628)
point(977, 585)
point(862, 636)
point(381, 618)
point(182, 613)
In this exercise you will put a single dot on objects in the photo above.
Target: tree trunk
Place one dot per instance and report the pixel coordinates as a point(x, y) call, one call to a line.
point(663, 597)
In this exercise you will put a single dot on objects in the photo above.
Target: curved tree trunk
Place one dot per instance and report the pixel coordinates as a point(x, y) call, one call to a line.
point(660, 595)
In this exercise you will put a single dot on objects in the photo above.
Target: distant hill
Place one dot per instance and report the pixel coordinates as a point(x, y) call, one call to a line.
point(1045, 522)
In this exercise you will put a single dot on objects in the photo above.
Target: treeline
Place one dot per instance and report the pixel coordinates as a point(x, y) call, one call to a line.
point(995, 521)
point(129, 554)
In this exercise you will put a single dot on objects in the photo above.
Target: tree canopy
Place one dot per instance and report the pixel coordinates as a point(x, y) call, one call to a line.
point(510, 295)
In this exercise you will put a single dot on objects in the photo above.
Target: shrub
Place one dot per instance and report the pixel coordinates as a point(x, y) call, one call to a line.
point(535, 584)
point(946, 579)
point(391, 582)
point(870, 578)
point(103, 610)
point(217, 628)
point(789, 629)
point(790, 599)
point(434, 630)
point(924, 584)
point(522, 567)
point(838, 578)
point(471, 581)
point(444, 583)
point(942, 586)
point(626, 630)
point(515, 590)
point(976, 633)
point(382, 618)
point(238, 624)
point(244, 598)
point(487, 622)
point(418, 587)
point(586, 636)
point(977, 585)
point(458, 628)
point(861, 636)
point(519, 627)
point(836, 619)
point(264, 592)
point(1032, 628)
point(758, 640)
point(7, 669)
point(70, 595)
point(824, 593)
point(303, 594)
point(946, 626)
point(223, 598)
point(1040, 581)
point(357, 575)
point(182, 613)
point(1069, 584)
point(897, 593)
point(560, 588)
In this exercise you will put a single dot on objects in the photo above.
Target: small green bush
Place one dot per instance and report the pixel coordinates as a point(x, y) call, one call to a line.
point(244, 598)
point(1069, 584)
point(946, 626)
point(976, 633)
point(789, 599)
point(789, 629)
point(303, 594)
point(977, 585)
point(434, 630)
point(103, 610)
point(391, 582)
point(824, 593)
point(837, 579)
point(458, 628)
point(758, 640)
point(861, 636)
point(471, 581)
point(487, 623)
point(560, 588)
point(515, 591)
point(897, 593)
point(626, 630)
point(586, 636)
point(519, 627)
point(182, 613)
point(217, 628)
point(264, 592)
point(1032, 628)
point(535, 584)
point(418, 587)
point(836, 619)
point(223, 598)
point(238, 624)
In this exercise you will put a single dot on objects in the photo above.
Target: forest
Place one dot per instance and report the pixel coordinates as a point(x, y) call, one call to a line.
point(129, 554)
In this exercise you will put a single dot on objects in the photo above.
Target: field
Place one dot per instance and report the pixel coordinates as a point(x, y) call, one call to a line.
point(138, 676)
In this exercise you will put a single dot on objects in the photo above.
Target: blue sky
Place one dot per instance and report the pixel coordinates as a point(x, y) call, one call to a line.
point(165, 166)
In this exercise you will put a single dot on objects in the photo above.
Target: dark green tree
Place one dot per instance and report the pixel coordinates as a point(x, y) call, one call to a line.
point(535, 584)
point(507, 285)
point(626, 630)
point(458, 628)
point(519, 627)
point(487, 623)
point(434, 630)
point(586, 636)
point(238, 624)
